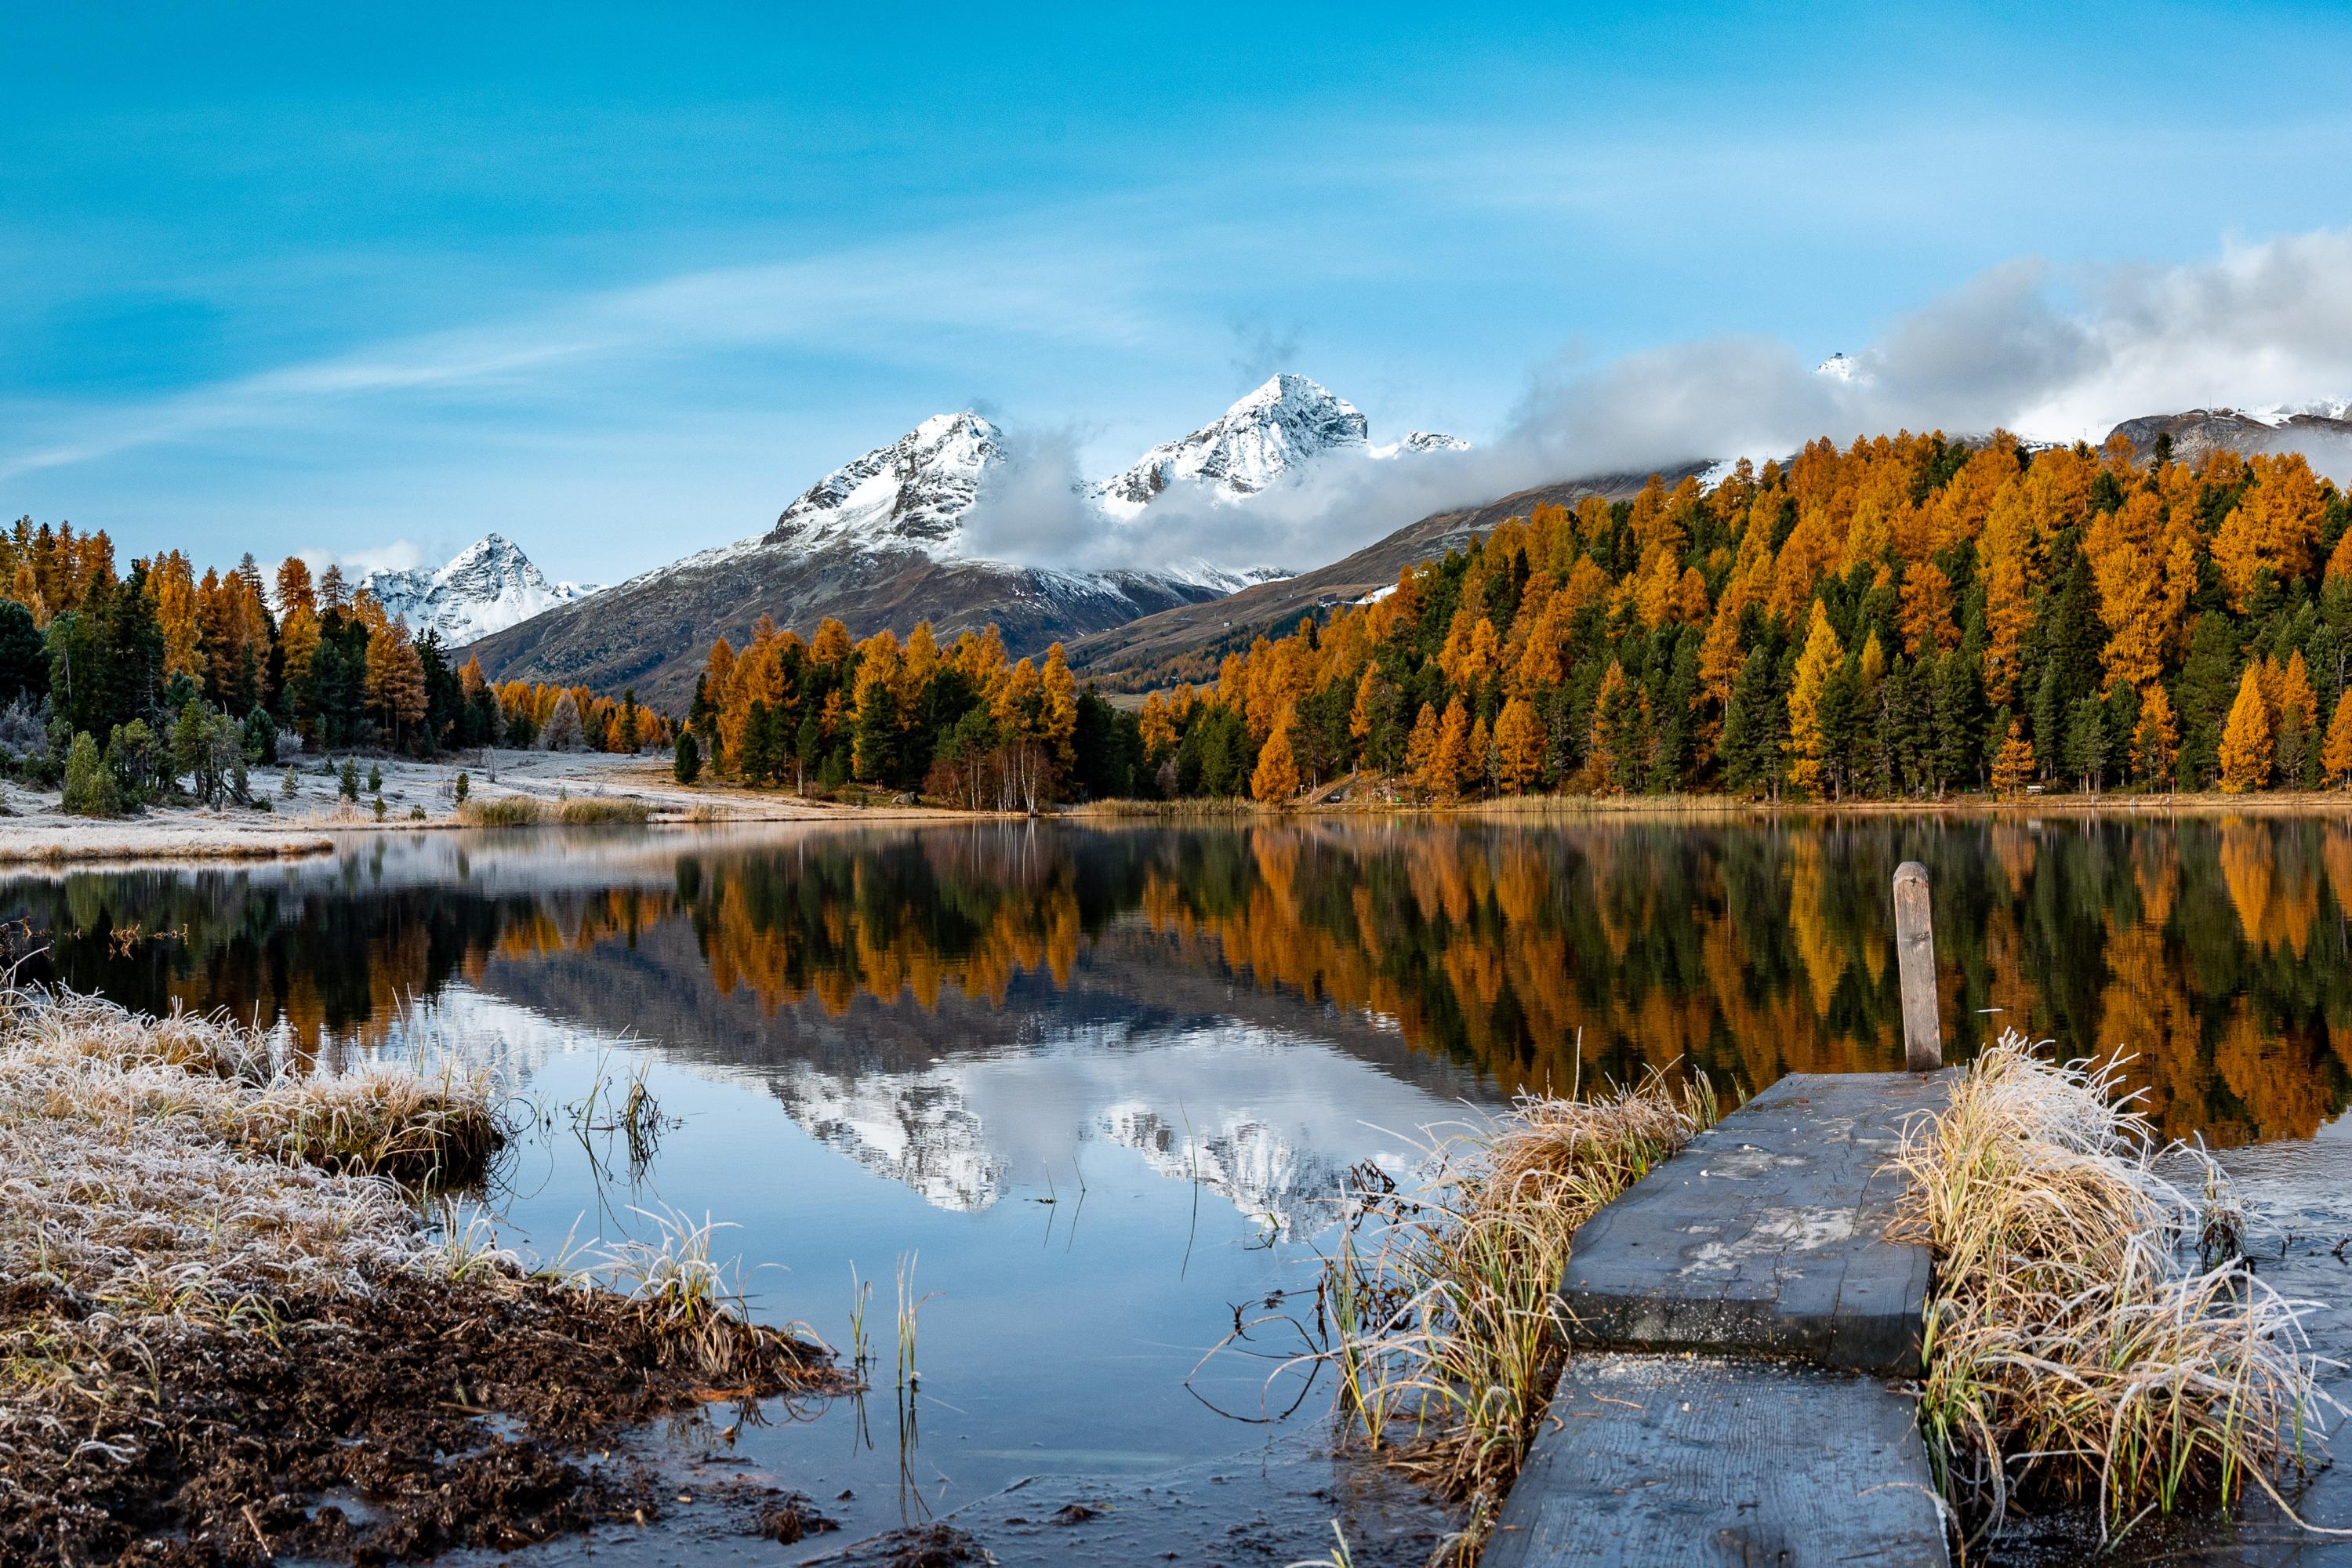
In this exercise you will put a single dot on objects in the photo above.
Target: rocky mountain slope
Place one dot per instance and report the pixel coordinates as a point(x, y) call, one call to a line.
point(1187, 641)
point(487, 587)
point(877, 542)
point(2201, 431)
point(881, 542)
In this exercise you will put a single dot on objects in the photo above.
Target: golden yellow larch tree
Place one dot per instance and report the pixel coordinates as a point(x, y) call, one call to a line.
point(1816, 667)
point(295, 590)
point(2271, 527)
point(1654, 589)
point(2155, 742)
point(2013, 765)
point(1926, 615)
point(2139, 601)
point(2009, 606)
point(298, 643)
point(1449, 755)
point(1013, 703)
point(1805, 557)
point(832, 646)
point(1364, 714)
point(1420, 751)
point(1275, 778)
point(1519, 745)
point(173, 581)
point(2336, 756)
point(1058, 707)
point(395, 678)
point(2246, 738)
point(1158, 723)
point(1871, 668)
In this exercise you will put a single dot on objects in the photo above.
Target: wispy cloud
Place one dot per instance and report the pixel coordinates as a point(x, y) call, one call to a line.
point(989, 284)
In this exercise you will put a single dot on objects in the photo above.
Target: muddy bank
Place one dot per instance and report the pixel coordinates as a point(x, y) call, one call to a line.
point(228, 1336)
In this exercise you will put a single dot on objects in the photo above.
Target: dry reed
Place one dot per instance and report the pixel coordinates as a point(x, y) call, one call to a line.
point(506, 811)
point(1447, 1344)
point(2077, 1352)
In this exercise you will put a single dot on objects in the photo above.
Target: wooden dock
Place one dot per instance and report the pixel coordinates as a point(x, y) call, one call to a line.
point(1744, 1333)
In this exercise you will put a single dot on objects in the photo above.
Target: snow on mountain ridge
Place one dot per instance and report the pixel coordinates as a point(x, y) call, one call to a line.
point(1274, 429)
point(485, 587)
point(913, 492)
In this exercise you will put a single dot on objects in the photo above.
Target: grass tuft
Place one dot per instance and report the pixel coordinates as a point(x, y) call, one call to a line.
point(506, 811)
point(598, 811)
point(1446, 1341)
point(2093, 1336)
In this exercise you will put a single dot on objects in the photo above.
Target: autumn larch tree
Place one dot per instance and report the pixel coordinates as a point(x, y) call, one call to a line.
point(2012, 766)
point(2245, 753)
point(1275, 779)
point(2335, 756)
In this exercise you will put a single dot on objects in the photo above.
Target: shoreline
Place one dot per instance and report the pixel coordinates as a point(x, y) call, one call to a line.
point(34, 833)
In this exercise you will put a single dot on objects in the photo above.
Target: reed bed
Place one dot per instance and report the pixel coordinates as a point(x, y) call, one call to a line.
point(1441, 1296)
point(2093, 1336)
point(506, 811)
point(595, 811)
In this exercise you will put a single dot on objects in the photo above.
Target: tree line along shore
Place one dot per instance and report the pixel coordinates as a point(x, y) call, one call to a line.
point(1901, 619)
point(153, 685)
point(1904, 618)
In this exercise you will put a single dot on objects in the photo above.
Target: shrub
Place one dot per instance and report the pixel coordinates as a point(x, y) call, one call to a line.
point(686, 766)
point(463, 786)
point(90, 789)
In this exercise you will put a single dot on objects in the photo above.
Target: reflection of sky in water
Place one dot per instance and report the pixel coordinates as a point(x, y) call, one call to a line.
point(896, 1041)
point(1062, 1335)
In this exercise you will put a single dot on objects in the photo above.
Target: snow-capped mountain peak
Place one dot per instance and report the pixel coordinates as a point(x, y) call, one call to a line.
point(485, 587)
point(1283, 424)
point(911, 493)
point(1838, 367)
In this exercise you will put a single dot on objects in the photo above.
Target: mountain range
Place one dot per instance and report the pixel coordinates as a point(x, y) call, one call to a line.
point(886, 540)
point(883, 540)
point(487, 587)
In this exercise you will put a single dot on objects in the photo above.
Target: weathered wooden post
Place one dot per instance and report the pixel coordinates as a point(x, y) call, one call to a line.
point(1915, 956)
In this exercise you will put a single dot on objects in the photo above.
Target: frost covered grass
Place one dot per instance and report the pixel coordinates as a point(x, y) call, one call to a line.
point(189, 1236)
point(1445, 1337)
point(2093, 1336)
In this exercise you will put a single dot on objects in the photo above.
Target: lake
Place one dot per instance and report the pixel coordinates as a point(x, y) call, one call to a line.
point(1094, 1087)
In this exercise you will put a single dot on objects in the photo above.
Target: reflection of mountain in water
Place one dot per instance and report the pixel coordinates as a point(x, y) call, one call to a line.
point(912, 1127)
point(1250, 1162)
point(963, 1101)
point(1458, 956)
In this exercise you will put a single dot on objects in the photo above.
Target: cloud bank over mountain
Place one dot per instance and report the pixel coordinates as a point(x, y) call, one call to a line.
point(2053, 354)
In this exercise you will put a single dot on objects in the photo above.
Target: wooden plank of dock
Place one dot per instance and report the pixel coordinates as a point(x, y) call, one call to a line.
point(1762, 1241)
point(1766, 1235)
point(1654, 1461)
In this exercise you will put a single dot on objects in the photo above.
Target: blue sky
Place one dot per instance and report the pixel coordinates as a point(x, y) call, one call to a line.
point(619, 282)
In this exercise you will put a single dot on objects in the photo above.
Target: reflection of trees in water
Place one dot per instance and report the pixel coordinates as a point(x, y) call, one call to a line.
point(2215, 950)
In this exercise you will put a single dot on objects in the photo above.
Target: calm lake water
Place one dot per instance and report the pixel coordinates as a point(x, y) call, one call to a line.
point(1099, 1084)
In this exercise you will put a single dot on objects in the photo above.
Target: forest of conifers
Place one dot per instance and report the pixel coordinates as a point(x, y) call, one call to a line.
point(174, 678)
point(1903, 618)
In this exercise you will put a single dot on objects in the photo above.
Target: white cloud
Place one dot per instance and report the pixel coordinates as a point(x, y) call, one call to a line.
point(400, 555)
point(2053, 354)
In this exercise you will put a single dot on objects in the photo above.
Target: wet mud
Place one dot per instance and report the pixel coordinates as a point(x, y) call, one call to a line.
point(428, 1416)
